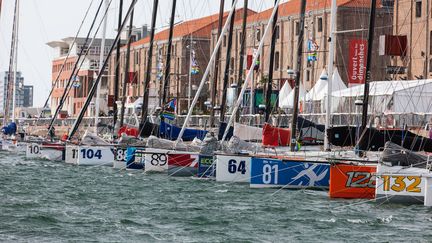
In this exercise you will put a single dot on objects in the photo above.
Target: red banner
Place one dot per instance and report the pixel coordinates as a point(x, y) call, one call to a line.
point(357, 61)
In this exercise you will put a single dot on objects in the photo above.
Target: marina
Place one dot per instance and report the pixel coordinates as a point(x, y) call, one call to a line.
point(127, 149)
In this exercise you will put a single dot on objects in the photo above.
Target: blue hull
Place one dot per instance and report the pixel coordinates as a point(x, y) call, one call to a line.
point(289, 174)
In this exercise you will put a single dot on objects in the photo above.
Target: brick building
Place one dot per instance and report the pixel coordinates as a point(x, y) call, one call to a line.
point(412, 24)
point(351, 15)
point(84, 81)
point(194, 33)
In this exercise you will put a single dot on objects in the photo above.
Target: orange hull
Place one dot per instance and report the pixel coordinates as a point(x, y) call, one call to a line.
point(352, 181)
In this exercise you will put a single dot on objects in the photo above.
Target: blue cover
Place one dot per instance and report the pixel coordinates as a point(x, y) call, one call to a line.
point(10, 129)
point(133, 159)
point(171, 132)
point(289, 174)
point(222, 127)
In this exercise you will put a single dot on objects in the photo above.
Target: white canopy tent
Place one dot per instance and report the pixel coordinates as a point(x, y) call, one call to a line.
point(284, 92)
point(319, 88)
point(317, 96)
point(288, 100)
point(413, 96)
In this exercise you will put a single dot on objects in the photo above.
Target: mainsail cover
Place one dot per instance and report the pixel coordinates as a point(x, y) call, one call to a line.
point(374, 139)
point(310, 132)
point(248, 133)
point(171, 132)
point(160, 143)
point(395, 155)
point(90, 138)
point(274, 136)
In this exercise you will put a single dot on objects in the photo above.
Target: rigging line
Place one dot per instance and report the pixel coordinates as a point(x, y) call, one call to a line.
point(66, 58)
point(99, 77)
point(69, 83)
point(43, 28)
point(250, 71)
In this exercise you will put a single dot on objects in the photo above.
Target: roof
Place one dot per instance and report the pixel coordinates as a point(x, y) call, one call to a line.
point(194, 26)
point(292, 7)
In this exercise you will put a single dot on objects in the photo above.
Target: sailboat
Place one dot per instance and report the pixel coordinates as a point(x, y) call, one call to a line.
point(12, 142)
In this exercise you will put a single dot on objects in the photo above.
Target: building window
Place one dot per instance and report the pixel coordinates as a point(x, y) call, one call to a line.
point(232, 65)
point(258, 35)
point(320, 24)
point(308, 75)
point(430, 43)
point(276, 61)
point(277, 31)
point(430, 66)
point(297, 28)
point(225, 41)
point(418, 8)
point(136, 57)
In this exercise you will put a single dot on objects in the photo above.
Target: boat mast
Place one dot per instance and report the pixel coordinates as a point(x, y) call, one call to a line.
point(427, 51)
point(117, 70)
point(227, 68)
point(251, 70)
point(166, 84)
point(371, 32)
point(144, 108)
point(96, 82)
point(271, 67)
point(101, 58)
point(1, 3)
point(190, 70)
point(298, 74)
point(242, 51)
point(11, 68)
point(126, 69)
point(206, 73)
point(15, 66)
point(75, 70)
point(330, 64)
point(216, 66)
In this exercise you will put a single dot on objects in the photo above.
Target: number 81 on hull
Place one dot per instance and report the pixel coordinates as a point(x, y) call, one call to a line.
point(273, 173)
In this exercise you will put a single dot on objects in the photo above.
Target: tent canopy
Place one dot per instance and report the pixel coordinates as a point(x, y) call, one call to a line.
point(288, 101)
point(319, 91)
point(380, 88)
point(397, 96)
point(318, 88)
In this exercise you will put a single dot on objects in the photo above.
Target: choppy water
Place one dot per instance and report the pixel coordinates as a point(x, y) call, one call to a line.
point(47, 201)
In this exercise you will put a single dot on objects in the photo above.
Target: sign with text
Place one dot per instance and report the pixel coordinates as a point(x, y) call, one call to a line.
point(357, 61)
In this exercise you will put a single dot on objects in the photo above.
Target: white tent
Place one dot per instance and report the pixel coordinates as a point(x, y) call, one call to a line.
point(390, 96)
point(319, 89)
point(288, 101)
point(283, 93)
point(337, 82)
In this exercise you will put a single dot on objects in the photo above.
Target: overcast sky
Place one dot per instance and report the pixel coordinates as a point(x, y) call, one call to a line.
point(42, 21)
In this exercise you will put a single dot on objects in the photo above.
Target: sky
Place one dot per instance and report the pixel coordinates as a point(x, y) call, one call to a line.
point(42, 21)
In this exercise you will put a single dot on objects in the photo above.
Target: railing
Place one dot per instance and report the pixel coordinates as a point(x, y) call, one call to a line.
point(282, 120)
